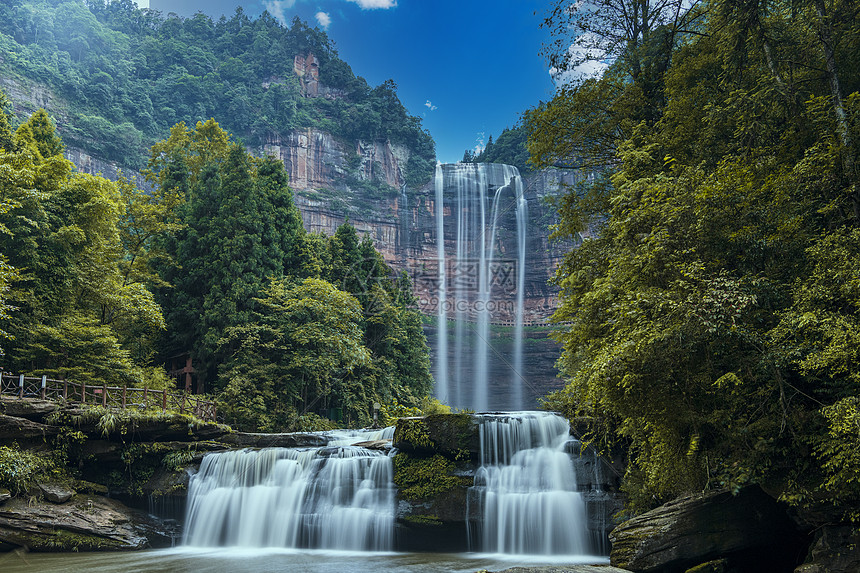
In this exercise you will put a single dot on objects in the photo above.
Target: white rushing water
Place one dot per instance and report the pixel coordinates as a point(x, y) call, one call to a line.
point(339, 497)
point(442, 389)
point(476, 197)
point(525, 495)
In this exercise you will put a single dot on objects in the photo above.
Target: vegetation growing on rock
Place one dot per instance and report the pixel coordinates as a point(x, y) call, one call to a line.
point(422, 478)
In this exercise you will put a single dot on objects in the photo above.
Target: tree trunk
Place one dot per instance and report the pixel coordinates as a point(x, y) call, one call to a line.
point(843, 127)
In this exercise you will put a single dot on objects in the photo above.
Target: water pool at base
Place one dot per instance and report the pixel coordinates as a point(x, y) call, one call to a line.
point(229, 560)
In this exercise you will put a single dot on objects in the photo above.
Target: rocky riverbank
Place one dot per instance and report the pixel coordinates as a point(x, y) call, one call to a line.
point(97, 480)
point(82, 478)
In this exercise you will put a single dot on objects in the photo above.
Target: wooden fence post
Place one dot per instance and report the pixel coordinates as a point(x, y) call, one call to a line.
point(145, 396)
point(163, 401)
point(124, 388)
point(65, 389)
point(182, 405)
point(44, 386)
point(104, 395)
point(21, 387)
point(83, 392)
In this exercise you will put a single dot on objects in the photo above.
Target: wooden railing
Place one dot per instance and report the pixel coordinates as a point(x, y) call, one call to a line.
point(122, 397)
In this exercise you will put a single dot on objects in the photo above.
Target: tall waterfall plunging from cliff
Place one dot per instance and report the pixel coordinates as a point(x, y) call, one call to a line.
point(327, 498)
point(525, 498)
point(475, 282)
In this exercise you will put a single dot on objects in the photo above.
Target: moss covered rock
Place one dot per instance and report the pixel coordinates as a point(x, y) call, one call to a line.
point(454, 436)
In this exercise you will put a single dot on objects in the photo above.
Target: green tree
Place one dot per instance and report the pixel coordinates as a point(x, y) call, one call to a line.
point(239, 228)
point(303, 355)
point(709, 325)
point(75, 307)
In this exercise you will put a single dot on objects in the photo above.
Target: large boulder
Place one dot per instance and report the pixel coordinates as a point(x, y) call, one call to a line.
point(433, 473)
point(55, 492)
point(750, 530)
point(14, 429)
point(835, 549)
point(455, 436)
point(31, 408)
point(83, 524)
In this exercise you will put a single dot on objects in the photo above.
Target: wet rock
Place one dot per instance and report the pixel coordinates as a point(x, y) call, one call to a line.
point(56, 493)
point(566, 569)
point(454, 436)
point(32, 409)
point(84, 524)
point(432, 503)
point(293, 440)
point(380, 445)
point(13, 429)
point(835, 549)
point(751, 530)
point(5, 495)
point(165, 481)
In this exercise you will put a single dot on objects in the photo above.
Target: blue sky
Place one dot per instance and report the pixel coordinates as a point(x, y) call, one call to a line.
point(469, 68)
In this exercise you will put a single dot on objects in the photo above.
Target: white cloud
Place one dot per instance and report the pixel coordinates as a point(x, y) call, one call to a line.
point(323, 19)
point(374, 4)
point(276, 9)
point(479, 143)
point(428, 104)
point(587, 60)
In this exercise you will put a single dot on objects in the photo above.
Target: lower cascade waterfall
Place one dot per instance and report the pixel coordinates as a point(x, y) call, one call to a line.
point(525, 498)
point(339, 497)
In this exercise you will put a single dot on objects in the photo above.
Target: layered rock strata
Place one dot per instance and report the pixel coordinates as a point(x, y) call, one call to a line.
point(747, 532)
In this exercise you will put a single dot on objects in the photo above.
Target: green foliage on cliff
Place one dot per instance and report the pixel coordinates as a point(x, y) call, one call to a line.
point(281, 323)
point(20, 468)
point(509, 148)
point(102, 280)
point(125, 75)
point(712, 322)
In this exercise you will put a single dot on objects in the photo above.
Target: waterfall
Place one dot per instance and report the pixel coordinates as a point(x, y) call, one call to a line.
point(442, 390)
point(471, 288)
point(328, 498)
point(525, 498)
point(522, 220)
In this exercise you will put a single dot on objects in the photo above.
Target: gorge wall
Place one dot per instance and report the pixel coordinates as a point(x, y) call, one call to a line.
point(365, 183)
point(327, 178)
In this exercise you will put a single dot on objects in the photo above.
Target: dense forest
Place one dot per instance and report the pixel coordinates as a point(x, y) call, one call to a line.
point(104, 282)
point(100, 280)
point(127, 75)
point(712, 324)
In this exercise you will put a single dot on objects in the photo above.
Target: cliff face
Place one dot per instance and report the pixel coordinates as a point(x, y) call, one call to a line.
point(364, 183)
point(93, 165)
point(402, 222)
point(403, 226)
